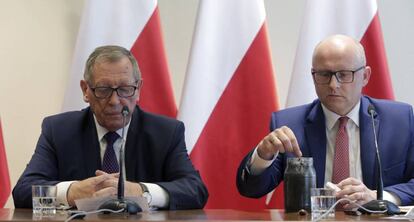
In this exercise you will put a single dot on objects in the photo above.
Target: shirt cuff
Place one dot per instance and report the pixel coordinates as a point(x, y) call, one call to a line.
point(62, 191)
point(257, 165)
point(391, 197)
point(160, 198)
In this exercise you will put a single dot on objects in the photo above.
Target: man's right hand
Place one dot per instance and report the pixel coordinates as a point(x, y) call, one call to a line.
point(280, 140)
point(85, 188)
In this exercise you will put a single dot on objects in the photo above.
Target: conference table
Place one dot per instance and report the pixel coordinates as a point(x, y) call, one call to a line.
point(188, 215)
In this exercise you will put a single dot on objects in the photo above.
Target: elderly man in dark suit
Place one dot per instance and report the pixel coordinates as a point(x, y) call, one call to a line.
point(79, 151)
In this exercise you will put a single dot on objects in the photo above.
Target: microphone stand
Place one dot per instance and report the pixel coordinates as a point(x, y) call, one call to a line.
point(379, 204)
point(121, 203)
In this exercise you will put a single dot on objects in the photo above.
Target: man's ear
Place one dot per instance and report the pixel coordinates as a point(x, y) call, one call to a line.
point(84, 87)
point(367, 75)
point(140, 83)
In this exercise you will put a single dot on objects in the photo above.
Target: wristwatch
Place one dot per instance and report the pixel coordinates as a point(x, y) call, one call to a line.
point(145, 193)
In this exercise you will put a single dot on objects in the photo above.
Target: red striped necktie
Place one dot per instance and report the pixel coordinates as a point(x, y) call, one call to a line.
point(341, 157)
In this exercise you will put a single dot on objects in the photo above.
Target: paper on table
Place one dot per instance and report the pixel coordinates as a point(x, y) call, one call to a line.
point(93, 203)
point(406, 208)
point(409, 214)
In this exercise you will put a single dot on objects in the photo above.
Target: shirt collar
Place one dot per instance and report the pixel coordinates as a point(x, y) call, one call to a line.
point(331, 118)
point(102, 130)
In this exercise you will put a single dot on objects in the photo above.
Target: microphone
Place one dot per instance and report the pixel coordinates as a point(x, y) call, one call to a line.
point(121, 203)
point(121, 184)
point(379, 204)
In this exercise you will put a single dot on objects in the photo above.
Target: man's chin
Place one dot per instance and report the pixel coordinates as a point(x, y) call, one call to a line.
point(340, 110)
point(113, 127)
point(113, 124)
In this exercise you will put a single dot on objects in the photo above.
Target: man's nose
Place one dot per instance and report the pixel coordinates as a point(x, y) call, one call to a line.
point(114, 98)
point(333, 83)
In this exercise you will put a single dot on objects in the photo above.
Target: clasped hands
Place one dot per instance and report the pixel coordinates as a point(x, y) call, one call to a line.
point(103, 184)
point(284, 140)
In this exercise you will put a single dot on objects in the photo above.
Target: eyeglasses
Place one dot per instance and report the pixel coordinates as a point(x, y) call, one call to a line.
point(342, 76)
point(104, 92)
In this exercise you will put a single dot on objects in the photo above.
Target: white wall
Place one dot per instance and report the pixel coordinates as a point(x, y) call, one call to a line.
point(36, 43)
point(37, 38)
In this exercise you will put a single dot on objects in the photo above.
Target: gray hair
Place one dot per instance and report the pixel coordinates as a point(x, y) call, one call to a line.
point(109, 53)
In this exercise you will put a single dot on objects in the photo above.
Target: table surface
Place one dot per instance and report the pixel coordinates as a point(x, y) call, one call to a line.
point(186, 215)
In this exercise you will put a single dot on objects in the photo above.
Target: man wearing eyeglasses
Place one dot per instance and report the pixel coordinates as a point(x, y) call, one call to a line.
point(336, 130)
point(79, 151)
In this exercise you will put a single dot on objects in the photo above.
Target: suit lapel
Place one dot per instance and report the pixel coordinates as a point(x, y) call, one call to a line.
point(90, 146)
point(316, 141)
point(367, 147)
point(131, 150)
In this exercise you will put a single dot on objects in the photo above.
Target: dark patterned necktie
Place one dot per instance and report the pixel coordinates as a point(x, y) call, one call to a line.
point(341, 157)
point(110, 163)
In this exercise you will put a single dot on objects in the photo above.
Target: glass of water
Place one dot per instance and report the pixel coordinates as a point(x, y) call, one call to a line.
point(44, 200)
point(321, 200)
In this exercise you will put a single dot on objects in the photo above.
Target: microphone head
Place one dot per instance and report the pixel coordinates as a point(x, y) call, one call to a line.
point(371, 110)
point(125, 110)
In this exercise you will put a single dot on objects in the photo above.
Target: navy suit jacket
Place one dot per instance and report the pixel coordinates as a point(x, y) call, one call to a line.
point(155, 152)
point(395, 130)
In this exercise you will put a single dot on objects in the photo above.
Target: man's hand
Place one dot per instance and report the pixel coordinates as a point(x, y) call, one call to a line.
point(132, 189)
point(356, 191)
point(85, 188)
point(280, 140)
point(109, 187)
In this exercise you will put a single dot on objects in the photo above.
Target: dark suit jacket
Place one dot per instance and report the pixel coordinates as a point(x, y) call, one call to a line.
point(395, 129)
point(68, 149)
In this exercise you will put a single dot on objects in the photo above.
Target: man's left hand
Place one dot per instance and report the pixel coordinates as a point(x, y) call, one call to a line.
point(110, 186)
point(356, 191)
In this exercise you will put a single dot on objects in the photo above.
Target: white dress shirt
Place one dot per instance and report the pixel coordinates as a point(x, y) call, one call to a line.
point(160, 198)
point(352, 127)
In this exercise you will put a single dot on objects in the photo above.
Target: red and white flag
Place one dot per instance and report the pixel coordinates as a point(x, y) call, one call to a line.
point(322, 18)
point(4, 173)
point(135, 25)
point(228, 96)
point(355, 18)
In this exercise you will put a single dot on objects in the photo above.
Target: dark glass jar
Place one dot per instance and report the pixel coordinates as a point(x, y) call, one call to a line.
point(299, 178)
